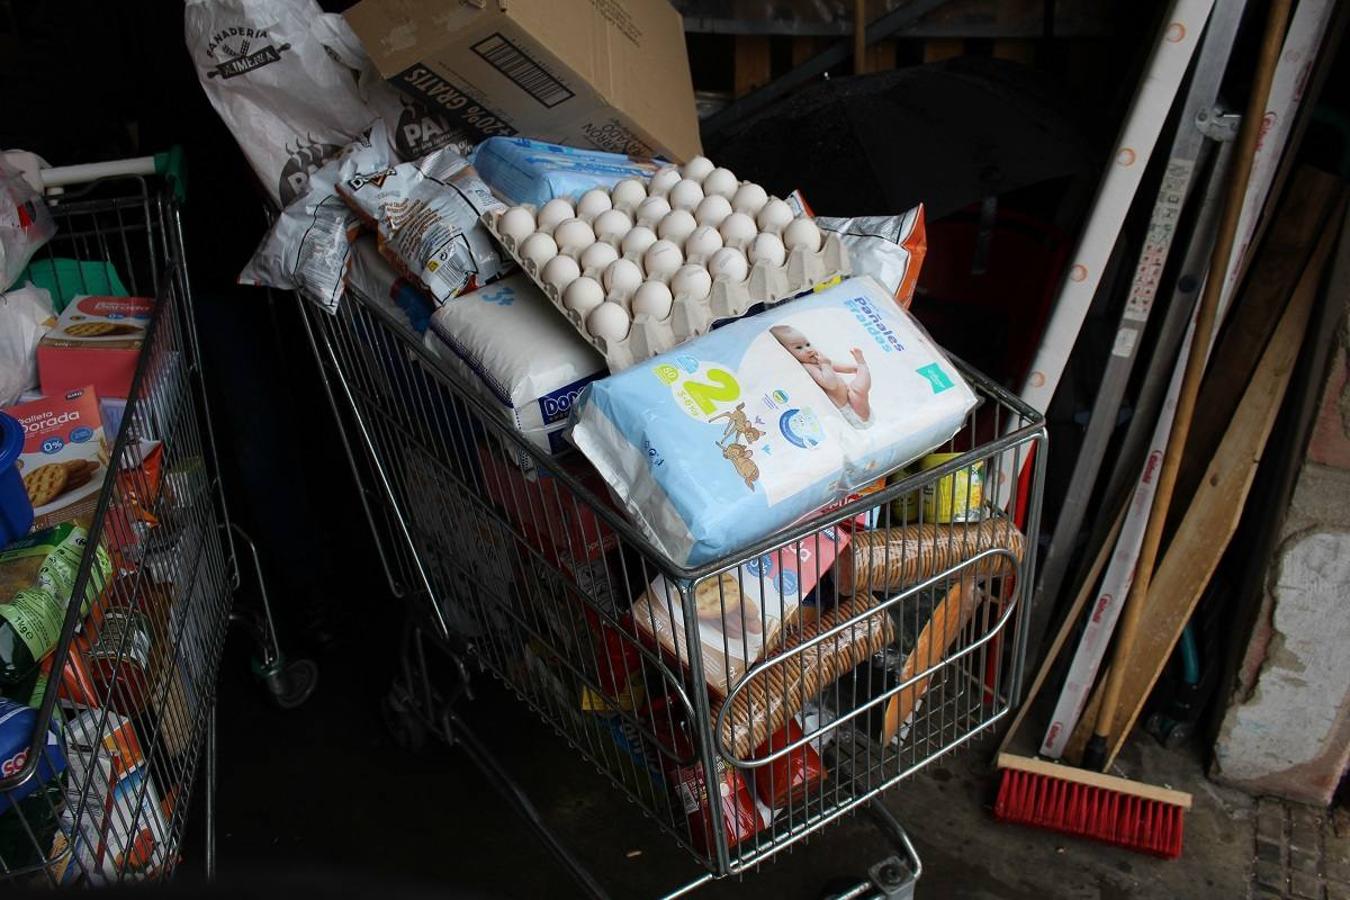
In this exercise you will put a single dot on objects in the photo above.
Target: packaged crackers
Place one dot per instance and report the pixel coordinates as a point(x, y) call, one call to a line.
point(64, 456)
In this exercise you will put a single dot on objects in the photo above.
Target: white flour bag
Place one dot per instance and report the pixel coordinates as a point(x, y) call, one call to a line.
point(289, 102)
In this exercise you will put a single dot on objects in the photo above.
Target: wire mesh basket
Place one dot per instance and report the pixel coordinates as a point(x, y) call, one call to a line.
point(814, 670)
point(116, 711)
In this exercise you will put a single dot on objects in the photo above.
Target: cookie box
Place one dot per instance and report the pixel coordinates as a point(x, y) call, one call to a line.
point(64, 458)
point(96, 342)
point(686, 268)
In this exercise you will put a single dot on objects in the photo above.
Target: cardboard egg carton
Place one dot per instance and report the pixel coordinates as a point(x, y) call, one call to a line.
point(689, 317)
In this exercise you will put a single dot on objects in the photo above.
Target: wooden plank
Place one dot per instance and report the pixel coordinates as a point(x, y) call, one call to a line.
point(1094, 779)
point(753, 66)
point(859, 37)
point(1007, 13)
point(1299, 220)
point(1212, 515)
point(943, 48)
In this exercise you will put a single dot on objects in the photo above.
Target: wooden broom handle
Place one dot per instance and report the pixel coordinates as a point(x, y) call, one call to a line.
point(1245, 150)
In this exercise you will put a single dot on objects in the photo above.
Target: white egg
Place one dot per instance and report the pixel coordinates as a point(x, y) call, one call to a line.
point(517, 223)
point(652, 210)
point(598, 255)
point(677, 226)
point(712, 210)
point(627, 194)
point(559, 272)
point(593, 203)
point(661, 259)
point(574, 235)
point(704, 242)
point(612, 225)
point(665, 178)
point(693, 282)
point(609, 321)
point(652, 298)
point(538, 249)
point(697, 168)
point(749, 199)
point(685, 195)
point(583, 295)
point(802, 234)
point(622, 278)
point(767, 248)
point(729, 263)
point(737, 229)
point(637, 240)
point(720, 183)
point(774, 215)
point(555, 212)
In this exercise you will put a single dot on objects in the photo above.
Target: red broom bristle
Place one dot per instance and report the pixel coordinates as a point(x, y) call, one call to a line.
point(1068, 807)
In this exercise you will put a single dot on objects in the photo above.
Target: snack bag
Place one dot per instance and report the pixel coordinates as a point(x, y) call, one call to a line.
point(64, 456)
point(426, 215)
point(727, 438)
point(888, 248)
point(308, 246)
point(288, 101)
point(741, 816)
point(790, 777)
point(37, 576)
point(29, 814)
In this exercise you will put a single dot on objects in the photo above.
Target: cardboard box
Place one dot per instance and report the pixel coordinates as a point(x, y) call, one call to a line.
point(96, 341)
point(589, 73)
point(64, 456)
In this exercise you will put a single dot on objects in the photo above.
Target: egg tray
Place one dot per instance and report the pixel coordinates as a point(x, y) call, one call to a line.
point(689, 318)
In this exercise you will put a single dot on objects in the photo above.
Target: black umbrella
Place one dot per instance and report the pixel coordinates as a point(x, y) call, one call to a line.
point(947, 134)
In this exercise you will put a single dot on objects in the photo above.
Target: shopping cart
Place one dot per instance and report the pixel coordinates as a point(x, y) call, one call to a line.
point(125, 702)
point(515, 562)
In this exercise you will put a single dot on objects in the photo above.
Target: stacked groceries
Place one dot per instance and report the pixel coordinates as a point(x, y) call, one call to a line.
point(716, 362)
point(71, 338)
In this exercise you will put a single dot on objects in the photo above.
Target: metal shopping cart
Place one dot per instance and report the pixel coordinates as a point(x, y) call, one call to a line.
point(514, 562)
point(123, 707)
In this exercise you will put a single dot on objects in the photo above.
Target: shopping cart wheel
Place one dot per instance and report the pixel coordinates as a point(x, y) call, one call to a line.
point(405, 728)
point(290, 682)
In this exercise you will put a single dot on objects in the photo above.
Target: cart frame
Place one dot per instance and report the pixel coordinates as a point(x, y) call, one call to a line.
point(137, 743)
point(424, 442)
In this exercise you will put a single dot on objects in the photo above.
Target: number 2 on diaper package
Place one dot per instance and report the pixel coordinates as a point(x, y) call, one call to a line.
point(707, 393)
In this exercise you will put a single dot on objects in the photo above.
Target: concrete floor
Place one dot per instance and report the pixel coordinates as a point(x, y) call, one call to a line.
point(323, 795)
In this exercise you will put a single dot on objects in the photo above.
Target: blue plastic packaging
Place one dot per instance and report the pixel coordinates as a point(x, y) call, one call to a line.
point(526, 171)
point(16, 511)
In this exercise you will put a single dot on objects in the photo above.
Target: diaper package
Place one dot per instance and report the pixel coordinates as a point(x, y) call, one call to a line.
point(426, 216)
point(526, 171)
point(737, 434)
point(508, 339)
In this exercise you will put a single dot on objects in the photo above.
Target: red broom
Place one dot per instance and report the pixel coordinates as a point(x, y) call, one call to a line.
point(1083, 801)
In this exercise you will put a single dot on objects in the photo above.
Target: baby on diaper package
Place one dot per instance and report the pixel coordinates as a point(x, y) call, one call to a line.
point(732, 436)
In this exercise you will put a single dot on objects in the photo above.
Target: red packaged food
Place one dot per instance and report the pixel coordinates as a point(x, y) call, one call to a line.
point(740, 815)
point(790, 777)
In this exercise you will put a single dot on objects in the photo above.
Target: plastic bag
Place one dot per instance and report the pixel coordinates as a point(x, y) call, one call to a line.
point(889, 248)
point(25, 315)
point(25, 224)
point(414, 130)
point(426, 215)
point(308, 246)
point(289, 102)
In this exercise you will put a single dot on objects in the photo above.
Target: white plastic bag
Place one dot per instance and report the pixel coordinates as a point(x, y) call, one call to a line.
point(25, 224)
point(289, 102)
point(25, 316)
point(308, 246)
point(414, 130)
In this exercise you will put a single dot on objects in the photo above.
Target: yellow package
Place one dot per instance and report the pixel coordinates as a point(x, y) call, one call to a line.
point(956, 497)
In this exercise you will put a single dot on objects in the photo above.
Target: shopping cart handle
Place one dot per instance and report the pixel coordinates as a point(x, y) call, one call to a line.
point(169, 164)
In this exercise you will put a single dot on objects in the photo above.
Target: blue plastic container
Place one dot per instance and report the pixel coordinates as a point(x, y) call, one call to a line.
point(16, 511)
